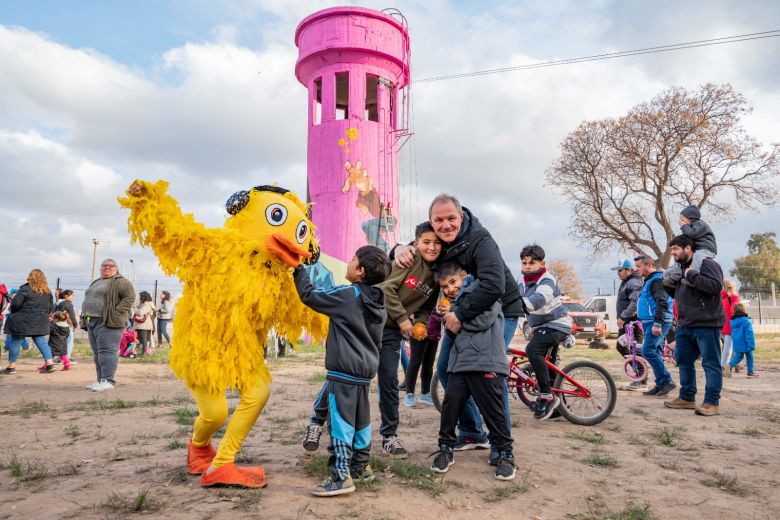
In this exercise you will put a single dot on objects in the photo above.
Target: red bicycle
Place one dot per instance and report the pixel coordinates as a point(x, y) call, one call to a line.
point(587, 392)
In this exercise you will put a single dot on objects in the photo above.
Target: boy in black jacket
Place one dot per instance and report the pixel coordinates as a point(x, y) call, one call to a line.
point(357, 316)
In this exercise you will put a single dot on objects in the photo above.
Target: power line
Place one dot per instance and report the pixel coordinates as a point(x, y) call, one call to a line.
point(611, 55)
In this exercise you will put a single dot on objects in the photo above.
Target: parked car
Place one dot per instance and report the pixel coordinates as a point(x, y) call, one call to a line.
point(605, 306)
point(584, 324)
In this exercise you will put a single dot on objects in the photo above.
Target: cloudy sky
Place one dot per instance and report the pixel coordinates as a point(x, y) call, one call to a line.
point(203, 94)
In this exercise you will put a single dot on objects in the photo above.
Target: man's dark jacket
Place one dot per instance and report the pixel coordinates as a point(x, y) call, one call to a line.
point(699, 304)
point(628, 295)
point(29, 313)
point(475, 250)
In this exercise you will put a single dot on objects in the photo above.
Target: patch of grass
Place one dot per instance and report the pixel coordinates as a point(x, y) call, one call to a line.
point(317, 378)
point(411, 420)
point(175, 444)
point(143, 501)
point(713, 446)
point(500, 493)
point(668, 436)
point(615, 428)
point(638, 411)
point(377, 464)
point(72, 431)
point(593, 438)
point(29, 470)
point(770, 415)
point(598, 510)
point(418, 476)
point(242, 457)
point(67, 470)
point(602, 460)
point(317, 466)
point(752, 432)
point(15, 465)
point(185, 416)
point(669, 464)
point(29, 409)
point(725, 482)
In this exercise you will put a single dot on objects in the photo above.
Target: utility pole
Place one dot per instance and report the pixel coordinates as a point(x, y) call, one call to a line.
point(774, 295)
point(95, 243)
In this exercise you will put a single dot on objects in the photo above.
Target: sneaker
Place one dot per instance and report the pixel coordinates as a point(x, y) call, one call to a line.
point(668, 387)
point(505, 466)
point(545, 407)
point(471, 444)
point(102, 386)
point(48, 369)
point(708, 410)
point(444, 458)
point(92, 385)
point(680, 404)
point(8, 371)
point(311, 439)
point(332, 488)
point(652, 391)
point(425, 399)
point(752, 374)
point(410, 400)
point(393, 446)
point(367, 475)
point(402, 386)
point(57, 360)
point(636, 385)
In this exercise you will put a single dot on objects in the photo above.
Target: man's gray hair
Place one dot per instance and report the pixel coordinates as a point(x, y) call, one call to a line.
point(444, 197)
point(645, 259)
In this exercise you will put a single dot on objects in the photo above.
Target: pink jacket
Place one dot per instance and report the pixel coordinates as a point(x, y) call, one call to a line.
point(729, 300)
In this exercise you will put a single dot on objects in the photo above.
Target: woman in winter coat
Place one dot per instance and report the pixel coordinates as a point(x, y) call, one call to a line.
point(30, 309)
point(730, 299)
point(743, 340)
point(143, 321)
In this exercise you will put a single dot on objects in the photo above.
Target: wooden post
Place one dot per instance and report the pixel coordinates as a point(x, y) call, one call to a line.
point(155, 292)
point(760, 314)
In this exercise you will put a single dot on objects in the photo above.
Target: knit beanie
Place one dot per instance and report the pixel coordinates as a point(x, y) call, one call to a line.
point(691, 213)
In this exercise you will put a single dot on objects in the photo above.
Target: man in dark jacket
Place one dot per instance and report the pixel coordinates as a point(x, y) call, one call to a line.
point(700, 318)
point(466, 242)
point(654, 310)
point(357, 317)
point(627, 296)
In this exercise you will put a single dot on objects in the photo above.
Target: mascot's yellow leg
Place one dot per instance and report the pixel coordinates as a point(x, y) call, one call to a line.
point(213, 411)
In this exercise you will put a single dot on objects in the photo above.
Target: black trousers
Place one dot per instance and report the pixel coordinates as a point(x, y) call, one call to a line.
point(349, 429)
point(423, 355)
point(542, 341)
point(487, 389)
point(387, 377)
point(320, 407)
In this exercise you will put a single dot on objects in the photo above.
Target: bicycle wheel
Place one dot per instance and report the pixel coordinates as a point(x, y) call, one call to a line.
point(526, 392)
point(586, 411)
point(437, 391)
point(636, 369)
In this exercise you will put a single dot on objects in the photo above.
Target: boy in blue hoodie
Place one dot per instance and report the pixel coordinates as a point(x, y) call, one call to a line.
point(743, 341)
point(357, 316)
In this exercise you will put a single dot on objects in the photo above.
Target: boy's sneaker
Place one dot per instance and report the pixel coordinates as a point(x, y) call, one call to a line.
point(102, 386)
point(8, 371)
point(311, 439)
point(393, 446)
point(545, 407)
point(92, 385)
point(471, 444)
point(332, 488)
point(505, 466)
point(752, 374)
point(636, 385)
point(444, 458)
point(410, 400)
point(425, 399)
point(402, 386)
point(48, 369)
point(367, 475)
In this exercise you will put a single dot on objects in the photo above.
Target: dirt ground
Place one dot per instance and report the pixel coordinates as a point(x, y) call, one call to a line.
point(71, 453)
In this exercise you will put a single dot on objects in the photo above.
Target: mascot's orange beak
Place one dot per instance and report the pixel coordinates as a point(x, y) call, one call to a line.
point(285, 249)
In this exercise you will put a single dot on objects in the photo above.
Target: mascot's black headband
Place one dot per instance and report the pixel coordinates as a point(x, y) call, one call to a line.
point(240, 199)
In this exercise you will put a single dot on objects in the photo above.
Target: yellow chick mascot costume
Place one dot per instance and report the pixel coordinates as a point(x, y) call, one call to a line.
point(236, 287)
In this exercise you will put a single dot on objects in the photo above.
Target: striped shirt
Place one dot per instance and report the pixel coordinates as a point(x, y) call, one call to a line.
point(543, 302)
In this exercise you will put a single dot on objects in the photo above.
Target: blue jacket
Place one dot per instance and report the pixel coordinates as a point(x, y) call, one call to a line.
point(742, 336)
point(654, 304)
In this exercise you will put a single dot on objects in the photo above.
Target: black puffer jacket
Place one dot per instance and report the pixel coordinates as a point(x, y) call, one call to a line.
point(29, 313)
point(628, 295)
point(699, 304)
point(475, 250)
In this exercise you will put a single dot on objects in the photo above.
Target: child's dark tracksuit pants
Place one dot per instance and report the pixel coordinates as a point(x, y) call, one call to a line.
point(488, 392)
point(349, 426)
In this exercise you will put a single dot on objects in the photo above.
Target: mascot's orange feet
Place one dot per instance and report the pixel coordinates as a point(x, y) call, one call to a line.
point(232, 475)
point(199, 458)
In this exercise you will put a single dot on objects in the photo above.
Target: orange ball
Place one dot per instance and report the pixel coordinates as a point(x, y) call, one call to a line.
point(445, 304)
point(419, 331)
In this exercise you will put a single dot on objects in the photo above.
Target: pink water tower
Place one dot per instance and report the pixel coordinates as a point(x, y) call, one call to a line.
point(355, 64)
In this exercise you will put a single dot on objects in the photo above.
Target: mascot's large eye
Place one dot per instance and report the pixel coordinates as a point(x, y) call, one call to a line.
point(302, 233)
point(276, 214)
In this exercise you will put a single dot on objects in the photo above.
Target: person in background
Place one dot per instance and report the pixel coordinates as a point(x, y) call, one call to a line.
point(744, 341)
point(30, 309)
point(730, 298)
point(59, 330)
point(143, 322)
point(164, 315)
point(65, 304)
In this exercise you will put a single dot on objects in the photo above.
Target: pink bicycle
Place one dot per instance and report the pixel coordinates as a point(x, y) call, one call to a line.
point(635, 366)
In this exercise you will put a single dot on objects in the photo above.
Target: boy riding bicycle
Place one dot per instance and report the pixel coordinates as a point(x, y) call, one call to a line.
point(548, 319)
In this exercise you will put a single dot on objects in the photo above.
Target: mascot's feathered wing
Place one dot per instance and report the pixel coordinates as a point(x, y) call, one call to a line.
point(236, 287)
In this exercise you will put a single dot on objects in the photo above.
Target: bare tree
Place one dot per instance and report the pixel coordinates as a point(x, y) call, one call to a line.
point(566, 276)
point(628, 178)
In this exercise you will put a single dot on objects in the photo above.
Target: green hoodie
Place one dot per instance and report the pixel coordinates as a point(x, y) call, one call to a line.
point(409, 291)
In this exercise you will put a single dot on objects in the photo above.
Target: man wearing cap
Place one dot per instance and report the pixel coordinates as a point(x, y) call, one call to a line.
point(627, 297)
